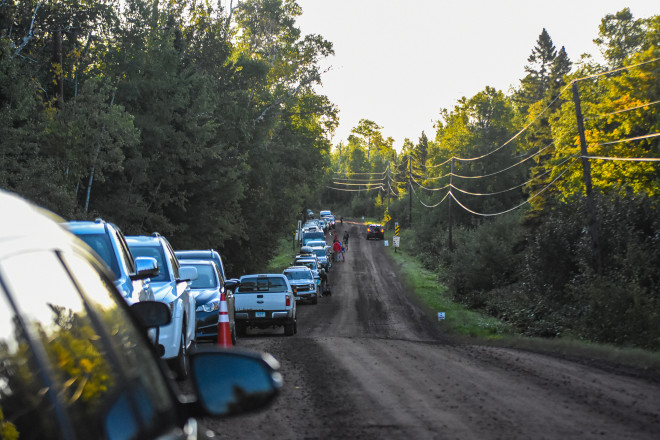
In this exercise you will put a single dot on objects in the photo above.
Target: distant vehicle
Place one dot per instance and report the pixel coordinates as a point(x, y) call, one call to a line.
point(310, 214)
point(172, 287)
point(207, 254)
point(375, 231)
point(76, 363)
point(131, 274)
point(302, 283)
point(207, 290)
point(309, 236)
point(263, 301)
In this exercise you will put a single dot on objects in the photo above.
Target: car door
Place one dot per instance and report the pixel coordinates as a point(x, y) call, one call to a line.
point(74, 363)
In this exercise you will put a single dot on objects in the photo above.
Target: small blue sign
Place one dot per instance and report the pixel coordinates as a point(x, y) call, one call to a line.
point(441, 316)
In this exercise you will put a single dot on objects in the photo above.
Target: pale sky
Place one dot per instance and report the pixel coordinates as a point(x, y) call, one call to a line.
point(398, 62)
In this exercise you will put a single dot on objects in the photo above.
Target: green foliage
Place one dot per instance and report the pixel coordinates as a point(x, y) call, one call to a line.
point(536, 268)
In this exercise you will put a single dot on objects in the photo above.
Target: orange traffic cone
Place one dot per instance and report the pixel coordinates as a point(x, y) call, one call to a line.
point(224, 332)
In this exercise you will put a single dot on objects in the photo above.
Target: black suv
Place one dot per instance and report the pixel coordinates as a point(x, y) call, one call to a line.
point(76, 362)
point(375, 231)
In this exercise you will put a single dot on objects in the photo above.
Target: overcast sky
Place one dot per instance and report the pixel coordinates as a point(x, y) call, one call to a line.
point(398, 62)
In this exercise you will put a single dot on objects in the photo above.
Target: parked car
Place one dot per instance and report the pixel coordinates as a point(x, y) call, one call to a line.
point(131, 275)
point(207, 290)
point(302, 283)
point(76, 363)
point(375, 231)
point(263, 301)
point(172, 287)
point(309, 236)
point(207, 254)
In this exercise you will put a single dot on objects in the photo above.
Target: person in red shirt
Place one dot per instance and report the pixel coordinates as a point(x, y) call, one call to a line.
point(336, 248)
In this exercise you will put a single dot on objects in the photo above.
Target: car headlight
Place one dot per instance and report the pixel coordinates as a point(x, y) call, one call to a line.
point(208, 307)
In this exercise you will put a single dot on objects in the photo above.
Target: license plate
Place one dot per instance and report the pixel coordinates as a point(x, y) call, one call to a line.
point(260, 314)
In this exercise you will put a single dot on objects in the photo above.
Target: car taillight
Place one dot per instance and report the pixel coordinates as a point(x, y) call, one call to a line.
point(382, 230)
point(288, 300)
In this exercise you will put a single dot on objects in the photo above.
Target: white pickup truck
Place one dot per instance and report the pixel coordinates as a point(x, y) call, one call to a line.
point(262, 301)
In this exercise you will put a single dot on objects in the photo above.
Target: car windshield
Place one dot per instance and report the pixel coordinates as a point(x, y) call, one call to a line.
point(261, 285)
point(296, 275)
point(320, 253)
point(310, 263)
point(153, 252)
point(206, 278)
point(102, 246)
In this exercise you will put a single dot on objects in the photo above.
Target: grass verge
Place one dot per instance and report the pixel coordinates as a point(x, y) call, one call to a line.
point(283, 257)
point(458, 319)
point(463, 323)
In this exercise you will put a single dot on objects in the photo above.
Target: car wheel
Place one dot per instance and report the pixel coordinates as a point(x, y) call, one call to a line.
point(290, 328)
point(233, 333)
point(241, 330)
point(180, 363)
point(315, 300)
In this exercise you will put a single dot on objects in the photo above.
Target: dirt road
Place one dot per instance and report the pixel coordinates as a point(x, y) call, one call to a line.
point(367, 363)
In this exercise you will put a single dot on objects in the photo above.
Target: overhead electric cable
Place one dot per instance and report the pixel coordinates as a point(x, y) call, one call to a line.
point(430, 206)
point(514, 187)
point(615, 70)
point(518, 206)
point(647, 136)
point(625, 159)
point(354, 190)
point(622, 111)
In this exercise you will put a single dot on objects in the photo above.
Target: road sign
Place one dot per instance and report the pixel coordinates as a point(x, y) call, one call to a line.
point(395, 241)
point(441, 316)
point(396, 230)
point(387, 218)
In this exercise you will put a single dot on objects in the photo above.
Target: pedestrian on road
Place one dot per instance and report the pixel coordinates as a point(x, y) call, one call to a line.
point(336, 247)
point(346, 239)
point(343, 249)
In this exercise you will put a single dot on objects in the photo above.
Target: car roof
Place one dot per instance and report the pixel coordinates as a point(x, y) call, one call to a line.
point(193, 261)
point(297, 268)
point(143, 240)
point(25, 226)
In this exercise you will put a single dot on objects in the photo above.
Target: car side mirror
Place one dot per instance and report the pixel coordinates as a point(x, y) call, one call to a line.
point(188, 273)
point(232, 283)
point(152, 313)
point(233, 382)
point(145, 267)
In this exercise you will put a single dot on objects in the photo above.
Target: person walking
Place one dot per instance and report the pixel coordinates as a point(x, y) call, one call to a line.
point(336, 248)
point(346, 240)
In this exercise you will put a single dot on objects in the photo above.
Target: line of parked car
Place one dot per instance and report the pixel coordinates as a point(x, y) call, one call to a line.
point(86, 322)
point(269, 300)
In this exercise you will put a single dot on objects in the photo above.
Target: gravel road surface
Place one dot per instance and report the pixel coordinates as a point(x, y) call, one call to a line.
point(367, 363)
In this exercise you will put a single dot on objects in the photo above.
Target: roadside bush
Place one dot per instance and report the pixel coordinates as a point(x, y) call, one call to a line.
point(484, 259)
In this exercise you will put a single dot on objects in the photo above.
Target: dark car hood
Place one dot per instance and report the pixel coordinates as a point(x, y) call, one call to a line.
point(202, 296)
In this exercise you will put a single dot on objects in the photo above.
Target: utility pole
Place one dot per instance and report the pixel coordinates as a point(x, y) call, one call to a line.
point(586, 174)
point(410, 192)
point(449, 219)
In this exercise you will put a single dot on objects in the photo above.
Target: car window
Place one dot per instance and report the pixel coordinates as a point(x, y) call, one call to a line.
point(125, 253)
point(67, 367)
point(174, 261)
point(261, 285)
point(298, 275)
point(206, 276)
point(103, 247)
point(157, 253)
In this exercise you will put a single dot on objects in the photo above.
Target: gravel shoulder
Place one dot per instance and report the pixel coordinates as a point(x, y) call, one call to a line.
point(368, 363)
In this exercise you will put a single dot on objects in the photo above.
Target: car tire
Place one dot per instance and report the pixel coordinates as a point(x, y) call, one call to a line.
point(180, 363)
point(233, 334)
point(315, 300)
point(241, 330)
point(290, 328)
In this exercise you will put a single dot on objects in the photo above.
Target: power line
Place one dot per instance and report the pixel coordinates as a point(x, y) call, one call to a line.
point(520, 205)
